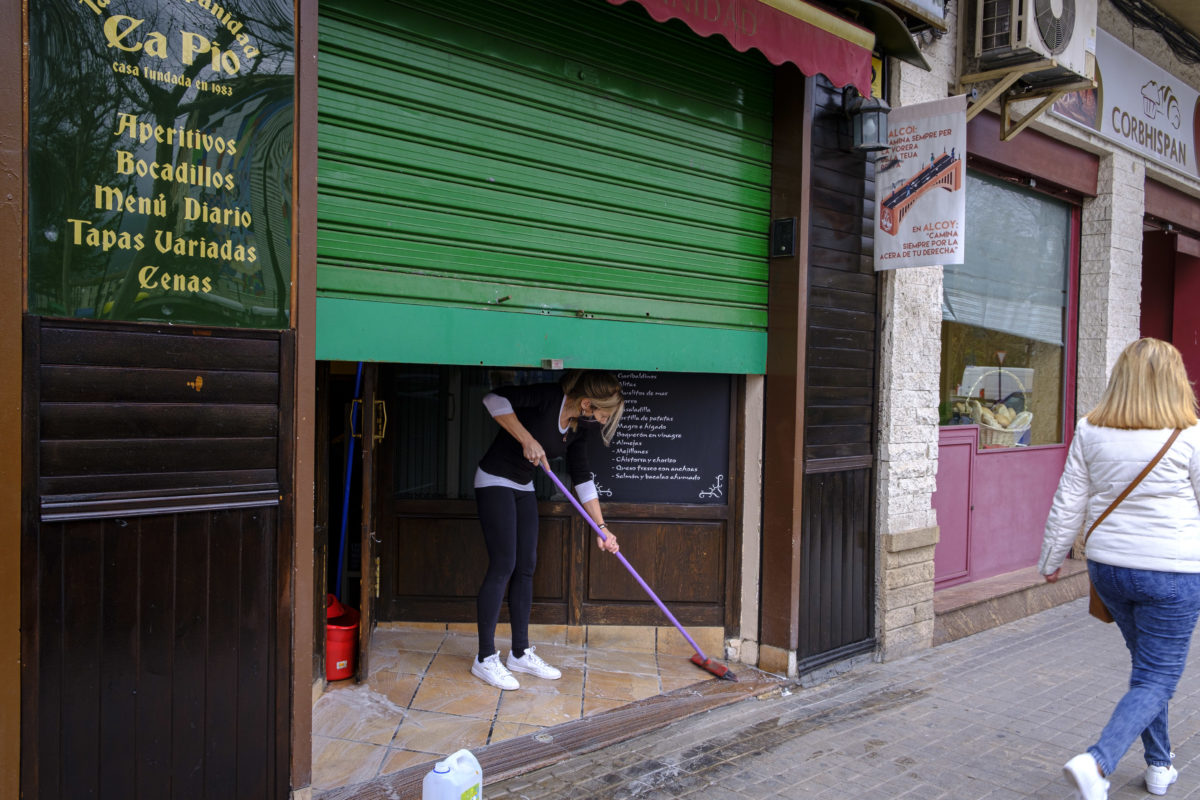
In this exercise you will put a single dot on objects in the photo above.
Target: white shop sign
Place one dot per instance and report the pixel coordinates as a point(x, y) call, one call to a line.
point(1138, 105)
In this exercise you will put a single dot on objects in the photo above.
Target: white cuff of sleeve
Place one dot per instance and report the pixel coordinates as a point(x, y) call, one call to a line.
point(497, 405)
point(586, 491)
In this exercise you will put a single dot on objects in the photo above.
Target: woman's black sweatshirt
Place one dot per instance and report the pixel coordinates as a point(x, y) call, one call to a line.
point(537, 406)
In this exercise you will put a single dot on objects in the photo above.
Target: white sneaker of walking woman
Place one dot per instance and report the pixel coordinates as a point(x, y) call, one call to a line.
point(490, 670)
point(532, 663)
point(1159, 779)
point(1083, 775)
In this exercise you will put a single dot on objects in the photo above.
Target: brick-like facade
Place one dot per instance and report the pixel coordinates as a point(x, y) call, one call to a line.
point(1108, 319)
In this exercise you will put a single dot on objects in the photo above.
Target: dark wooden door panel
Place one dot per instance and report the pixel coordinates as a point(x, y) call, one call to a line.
point(120, 638)
point(842, 339)
point(125, 456)
point(192, 545)
point(840, 415)
point(155, 409)
point(155, 655)
point(836, 583)
point(367, 538)
point(439, 563)
point(150, 640)
point(78, 580)
point(681, 562)
point(841, 319)
point(148, 348)
point(836, 563)
point(128, 385)
point(102, 420)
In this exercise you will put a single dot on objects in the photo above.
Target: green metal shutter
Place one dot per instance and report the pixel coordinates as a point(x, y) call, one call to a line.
point(503, 182)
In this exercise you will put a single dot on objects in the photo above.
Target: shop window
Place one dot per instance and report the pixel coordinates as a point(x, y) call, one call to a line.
point(1004, 317)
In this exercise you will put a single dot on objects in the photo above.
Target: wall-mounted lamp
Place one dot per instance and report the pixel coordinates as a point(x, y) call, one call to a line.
point(868, 120)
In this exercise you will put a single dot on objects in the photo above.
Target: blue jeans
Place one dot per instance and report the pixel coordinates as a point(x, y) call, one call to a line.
point(1156, 612)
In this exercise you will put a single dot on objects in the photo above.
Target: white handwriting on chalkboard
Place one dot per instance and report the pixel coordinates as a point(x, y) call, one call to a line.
point(715, 491)
point(657, 471)
point(672, 434)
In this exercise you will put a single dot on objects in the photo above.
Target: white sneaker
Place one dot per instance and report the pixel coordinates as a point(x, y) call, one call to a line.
point(1084, 777)
point(1158, 779)
point(490, 670)
point(532, 663)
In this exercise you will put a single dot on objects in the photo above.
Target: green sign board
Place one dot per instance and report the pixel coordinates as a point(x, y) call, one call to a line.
point(160, 150)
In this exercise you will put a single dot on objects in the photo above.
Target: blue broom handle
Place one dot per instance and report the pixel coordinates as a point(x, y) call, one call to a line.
point(588, 518)
point(341, 578)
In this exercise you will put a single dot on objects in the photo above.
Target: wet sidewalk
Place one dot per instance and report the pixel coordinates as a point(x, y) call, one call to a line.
point(377, 739)
point(994, 715)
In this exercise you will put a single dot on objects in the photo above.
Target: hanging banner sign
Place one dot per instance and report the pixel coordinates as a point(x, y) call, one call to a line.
point(920, 188)
point(1138, 105)
point(160, 150)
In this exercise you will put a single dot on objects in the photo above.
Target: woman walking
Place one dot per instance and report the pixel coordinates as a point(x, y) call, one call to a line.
point(1144, 555)
point(538, 423)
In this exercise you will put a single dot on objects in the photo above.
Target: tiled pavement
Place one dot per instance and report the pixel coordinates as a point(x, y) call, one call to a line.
point(993, 715)
point(421, 703)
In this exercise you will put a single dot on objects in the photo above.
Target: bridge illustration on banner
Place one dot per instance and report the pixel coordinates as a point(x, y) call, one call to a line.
point(945, 172)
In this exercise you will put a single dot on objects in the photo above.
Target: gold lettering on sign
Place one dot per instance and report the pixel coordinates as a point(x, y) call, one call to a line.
point(151, 277)
point(121, 32)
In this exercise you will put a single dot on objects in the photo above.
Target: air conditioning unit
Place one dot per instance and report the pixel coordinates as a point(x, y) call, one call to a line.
point(1018, 32)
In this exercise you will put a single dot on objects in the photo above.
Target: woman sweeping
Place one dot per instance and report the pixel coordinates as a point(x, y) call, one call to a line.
point(1144, 555)
point(538, 422)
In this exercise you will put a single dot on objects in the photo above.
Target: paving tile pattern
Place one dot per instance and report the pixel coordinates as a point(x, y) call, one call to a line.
point(991, 716)
point(421, 702)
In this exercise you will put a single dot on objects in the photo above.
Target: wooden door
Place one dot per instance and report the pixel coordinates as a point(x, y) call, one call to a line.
point(155, 629)
point(368, 589)
point(952, 502)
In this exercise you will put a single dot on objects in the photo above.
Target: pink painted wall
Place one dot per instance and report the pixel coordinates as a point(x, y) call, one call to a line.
point(991, 505)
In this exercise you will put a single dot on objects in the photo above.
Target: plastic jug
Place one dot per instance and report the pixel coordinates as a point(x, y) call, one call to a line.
point(459, 777)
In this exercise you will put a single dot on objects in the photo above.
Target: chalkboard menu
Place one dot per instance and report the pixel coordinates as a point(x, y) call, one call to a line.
point(160, 160)
point(673, 442)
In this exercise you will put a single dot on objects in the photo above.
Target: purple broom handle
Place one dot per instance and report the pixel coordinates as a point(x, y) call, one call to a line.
point(623, 560)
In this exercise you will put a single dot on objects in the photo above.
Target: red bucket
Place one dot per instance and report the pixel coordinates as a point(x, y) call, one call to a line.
point(341, 641)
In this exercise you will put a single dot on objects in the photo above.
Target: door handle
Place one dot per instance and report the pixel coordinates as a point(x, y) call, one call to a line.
point(355, 417)
point(380, 420)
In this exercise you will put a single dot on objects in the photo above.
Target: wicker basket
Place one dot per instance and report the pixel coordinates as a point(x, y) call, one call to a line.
point(992, 435)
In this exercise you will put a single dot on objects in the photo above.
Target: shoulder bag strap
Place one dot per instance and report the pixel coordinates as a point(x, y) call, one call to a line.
point(1158, 457)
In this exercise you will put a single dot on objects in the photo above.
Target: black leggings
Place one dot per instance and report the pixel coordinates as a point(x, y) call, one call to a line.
point(510, 530)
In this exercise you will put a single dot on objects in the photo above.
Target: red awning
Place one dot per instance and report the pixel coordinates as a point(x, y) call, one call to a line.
point(814, 40)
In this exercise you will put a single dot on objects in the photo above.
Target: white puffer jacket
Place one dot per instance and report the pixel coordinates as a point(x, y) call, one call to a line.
point(1156, 527)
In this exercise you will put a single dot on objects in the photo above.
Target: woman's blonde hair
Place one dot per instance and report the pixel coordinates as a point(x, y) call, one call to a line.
point(603, 389)
point(1148, 388)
